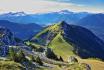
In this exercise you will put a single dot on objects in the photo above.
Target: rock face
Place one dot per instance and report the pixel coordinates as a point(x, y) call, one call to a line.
point(6, 39)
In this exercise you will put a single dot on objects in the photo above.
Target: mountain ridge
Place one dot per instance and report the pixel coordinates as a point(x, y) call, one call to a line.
point(77, 37)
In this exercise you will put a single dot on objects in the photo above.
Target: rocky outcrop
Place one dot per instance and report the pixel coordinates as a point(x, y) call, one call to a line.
point(6, 39)
point(72, 59)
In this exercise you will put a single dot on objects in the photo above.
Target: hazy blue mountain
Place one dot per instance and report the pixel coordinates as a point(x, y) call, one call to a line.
point(43, 18)
point(95, 23)
point(22, 31)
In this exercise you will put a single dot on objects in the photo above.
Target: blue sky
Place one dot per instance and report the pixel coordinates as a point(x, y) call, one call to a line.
point(93, 3)
point(43, 6)
point(84, 2)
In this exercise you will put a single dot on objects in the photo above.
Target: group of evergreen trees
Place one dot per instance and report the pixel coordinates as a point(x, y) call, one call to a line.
point(37, 60)
point(16, 56)
point(50, 54)
point(20, 56)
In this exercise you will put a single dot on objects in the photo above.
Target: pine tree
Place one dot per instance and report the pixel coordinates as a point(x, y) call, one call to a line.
point(61, 59)
point(50, 54)
point(33, 58)
point(38, 60)
point(21, 56)
point(12, 54)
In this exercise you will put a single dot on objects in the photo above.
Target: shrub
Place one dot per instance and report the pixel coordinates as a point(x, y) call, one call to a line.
point(61, 59)
point(32, 58)
point(38, 60)
point(21, 56)
point(41, 49)
point(12, 54)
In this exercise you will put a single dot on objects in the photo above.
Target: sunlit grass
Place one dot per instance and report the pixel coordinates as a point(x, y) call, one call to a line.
point(61, 47)
point(10, 65)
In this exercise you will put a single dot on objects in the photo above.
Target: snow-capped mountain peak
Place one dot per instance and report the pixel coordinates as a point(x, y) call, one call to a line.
point(15, 14)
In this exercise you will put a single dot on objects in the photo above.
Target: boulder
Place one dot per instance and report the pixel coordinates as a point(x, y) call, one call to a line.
point(72, 59)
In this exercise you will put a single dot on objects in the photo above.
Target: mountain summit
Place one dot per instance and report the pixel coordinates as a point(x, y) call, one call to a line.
point(71, 39)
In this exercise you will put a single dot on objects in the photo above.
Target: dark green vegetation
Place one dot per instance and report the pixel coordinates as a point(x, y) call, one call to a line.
point(67, 40)
point(17, 56)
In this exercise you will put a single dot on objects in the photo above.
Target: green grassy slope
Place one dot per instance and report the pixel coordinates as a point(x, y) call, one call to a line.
point(61, 47)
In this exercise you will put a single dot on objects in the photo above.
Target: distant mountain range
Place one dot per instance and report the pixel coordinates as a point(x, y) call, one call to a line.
point(44, 18)
point(95, 23)
point(67, 39)
point(22, 31)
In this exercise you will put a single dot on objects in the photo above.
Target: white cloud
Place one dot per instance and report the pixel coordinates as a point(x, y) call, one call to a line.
point(39, 6)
